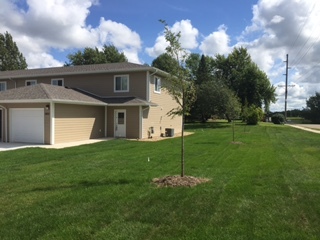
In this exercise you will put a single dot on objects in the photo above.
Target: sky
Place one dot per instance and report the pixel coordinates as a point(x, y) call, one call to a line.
point(46, 31)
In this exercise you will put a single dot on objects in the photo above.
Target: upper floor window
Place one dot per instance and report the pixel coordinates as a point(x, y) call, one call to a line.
point(57, 82)
point(3, 86)
point(157, 85)
point(31, 82)
point(121, 83)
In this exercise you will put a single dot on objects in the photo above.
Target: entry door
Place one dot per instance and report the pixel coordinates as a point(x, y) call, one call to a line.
point(120, 123)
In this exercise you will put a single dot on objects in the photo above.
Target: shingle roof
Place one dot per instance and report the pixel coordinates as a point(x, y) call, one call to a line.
point(45, 92)
point(81, 69)
point(49, 93)
point(127, 101)
point(119, 101)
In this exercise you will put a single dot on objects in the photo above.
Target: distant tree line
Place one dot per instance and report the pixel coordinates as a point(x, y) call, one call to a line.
point(311, 112)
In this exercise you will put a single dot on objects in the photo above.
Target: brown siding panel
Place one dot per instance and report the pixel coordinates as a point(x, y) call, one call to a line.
point(132, 121)
point(78, 122)
point(101, 84)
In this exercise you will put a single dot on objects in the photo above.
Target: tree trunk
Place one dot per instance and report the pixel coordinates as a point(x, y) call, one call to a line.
point(182, 147)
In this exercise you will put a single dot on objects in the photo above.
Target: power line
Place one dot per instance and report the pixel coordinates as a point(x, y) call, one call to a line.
point(302, 26)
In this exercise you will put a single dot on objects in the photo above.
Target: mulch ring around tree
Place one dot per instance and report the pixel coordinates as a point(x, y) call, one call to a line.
point(178, 181)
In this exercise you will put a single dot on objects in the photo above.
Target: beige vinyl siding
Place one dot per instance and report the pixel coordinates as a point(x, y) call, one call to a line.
point(29, 105)
point(157, 117)
point(132, 121)
point(77, 122)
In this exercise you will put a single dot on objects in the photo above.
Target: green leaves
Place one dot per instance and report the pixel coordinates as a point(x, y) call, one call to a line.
point(10, 56)
point(108, 54)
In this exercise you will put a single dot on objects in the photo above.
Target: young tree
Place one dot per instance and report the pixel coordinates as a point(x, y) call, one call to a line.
point(182, 90)
point(108, 54)
point(10, 56)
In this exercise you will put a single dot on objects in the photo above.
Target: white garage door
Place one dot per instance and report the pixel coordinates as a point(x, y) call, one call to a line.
point(27, 125)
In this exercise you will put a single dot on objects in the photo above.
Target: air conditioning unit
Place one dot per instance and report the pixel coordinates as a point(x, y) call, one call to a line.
point(169, 132)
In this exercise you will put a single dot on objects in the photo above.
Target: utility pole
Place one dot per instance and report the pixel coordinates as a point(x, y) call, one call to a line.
point(286, 89)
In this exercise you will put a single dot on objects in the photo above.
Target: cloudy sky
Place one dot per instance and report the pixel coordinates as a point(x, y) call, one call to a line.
point(46, 31)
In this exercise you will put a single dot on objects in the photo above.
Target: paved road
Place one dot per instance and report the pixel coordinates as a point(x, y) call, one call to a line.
point(307, 127)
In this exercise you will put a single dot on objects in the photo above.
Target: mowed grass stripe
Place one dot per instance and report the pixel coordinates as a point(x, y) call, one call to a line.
point(266, 186)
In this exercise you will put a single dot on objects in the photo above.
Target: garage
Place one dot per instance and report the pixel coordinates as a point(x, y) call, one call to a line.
point(27, 125)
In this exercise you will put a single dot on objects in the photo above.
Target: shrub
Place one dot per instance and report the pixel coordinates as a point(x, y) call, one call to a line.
point(253, 115)
point(277, 118)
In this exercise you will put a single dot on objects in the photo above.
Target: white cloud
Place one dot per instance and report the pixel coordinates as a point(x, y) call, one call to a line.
point(281, 27)
point(188, 38)
point(42, 60)
point(216, 43)
point(118, 34)
point(277, 19)
point(158, 48)
point(189, 34)
point(61, 24)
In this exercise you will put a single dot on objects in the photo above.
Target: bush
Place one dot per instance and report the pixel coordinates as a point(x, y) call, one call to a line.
point(253, 115)
point(277, 118)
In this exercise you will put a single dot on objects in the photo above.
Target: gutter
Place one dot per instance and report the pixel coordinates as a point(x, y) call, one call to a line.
point(5, 122)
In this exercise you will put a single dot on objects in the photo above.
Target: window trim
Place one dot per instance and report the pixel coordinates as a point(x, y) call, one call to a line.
point(115, 85)
point(157, 86)
point(30, 81)
point(57, 79)
point(5, 86)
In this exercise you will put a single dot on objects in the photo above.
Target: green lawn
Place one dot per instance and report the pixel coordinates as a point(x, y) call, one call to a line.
point(268, 187)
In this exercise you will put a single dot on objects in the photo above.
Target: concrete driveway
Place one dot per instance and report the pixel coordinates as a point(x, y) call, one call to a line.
point(14, 146)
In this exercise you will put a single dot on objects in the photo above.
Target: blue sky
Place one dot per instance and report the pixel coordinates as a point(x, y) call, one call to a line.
point(46, 31)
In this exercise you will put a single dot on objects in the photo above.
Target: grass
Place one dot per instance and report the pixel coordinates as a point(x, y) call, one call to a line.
point(268, 187)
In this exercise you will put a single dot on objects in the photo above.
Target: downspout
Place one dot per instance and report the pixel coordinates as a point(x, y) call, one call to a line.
point(15, 82)
point(5, 123)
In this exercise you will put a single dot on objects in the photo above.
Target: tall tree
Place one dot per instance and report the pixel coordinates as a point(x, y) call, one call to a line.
point(178, 86)
point(165, 62)
point(108, 54)
point(203, 73)
point(313, 108)
point(192, 63)
point(10, 56)
point(216, 99)
point(244, 77)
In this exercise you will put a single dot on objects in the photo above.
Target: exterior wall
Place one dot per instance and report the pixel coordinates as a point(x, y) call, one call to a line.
point(157, 117)
point(2, 125)
point(27, 105)
point(78, 122)
point(99, 84)
point(132, 121)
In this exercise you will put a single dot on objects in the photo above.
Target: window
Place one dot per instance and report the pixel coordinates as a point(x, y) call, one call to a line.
point(121, 83)
point(57, 82)
point(31, 82)
point(157, 85)
point(3, 86)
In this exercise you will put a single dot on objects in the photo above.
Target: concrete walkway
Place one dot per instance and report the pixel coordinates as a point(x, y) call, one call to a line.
point(14, 146)
point(315, 128)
